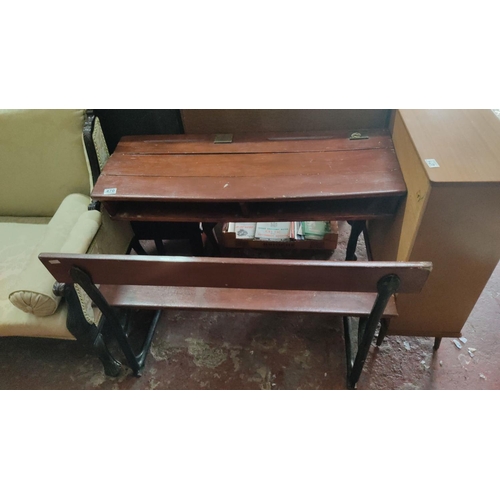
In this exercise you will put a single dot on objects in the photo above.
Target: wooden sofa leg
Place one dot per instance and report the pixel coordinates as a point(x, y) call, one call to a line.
point(87, 333)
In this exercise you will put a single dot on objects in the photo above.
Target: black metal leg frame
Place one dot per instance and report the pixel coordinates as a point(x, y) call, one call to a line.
point(86, 332)
point(387, 286)
point(358, 227)
point(109, 325)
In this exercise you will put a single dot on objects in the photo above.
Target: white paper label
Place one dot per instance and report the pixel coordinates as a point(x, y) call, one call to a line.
point(110, 191)
point(54, 261)
point(432, 163)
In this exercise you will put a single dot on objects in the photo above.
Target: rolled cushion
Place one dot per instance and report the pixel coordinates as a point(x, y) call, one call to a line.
point(71, 230)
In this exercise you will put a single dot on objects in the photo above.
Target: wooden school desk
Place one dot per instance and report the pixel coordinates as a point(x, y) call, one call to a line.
point(253, 177)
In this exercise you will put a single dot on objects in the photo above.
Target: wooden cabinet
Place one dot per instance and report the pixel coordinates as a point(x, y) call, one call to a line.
point(451, 215)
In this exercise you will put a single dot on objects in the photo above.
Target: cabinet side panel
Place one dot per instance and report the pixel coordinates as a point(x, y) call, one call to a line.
point(460, 235)
point(393, 239)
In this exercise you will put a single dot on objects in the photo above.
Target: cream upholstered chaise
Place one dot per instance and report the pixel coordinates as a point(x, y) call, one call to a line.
point(49, 160)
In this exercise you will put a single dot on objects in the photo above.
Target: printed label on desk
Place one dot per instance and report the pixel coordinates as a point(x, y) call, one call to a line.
point(110, 191)
point(432, 163)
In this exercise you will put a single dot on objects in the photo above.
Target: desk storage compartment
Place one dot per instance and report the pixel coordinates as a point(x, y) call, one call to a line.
point(329, 242)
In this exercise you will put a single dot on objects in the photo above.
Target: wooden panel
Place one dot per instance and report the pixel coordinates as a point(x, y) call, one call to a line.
point(418, 188)
point(241, 189)
point(456, 227)
point(342, 209)
point(225, 178)
point(254, 143)
point(284, 183)
point(237, 273)
point(465, 143)
point(353, 163)
point(236, 299)
point(460, 235)
point(214, 121)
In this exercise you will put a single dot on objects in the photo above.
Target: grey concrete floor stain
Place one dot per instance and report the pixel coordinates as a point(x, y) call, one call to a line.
point(204, 355)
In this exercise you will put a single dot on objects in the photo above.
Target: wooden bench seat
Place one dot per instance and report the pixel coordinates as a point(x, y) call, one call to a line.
point(244, 300)
point(360, 289)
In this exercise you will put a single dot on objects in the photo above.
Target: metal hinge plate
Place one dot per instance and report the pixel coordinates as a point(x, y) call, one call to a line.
point(223, 138)
point(356, 136)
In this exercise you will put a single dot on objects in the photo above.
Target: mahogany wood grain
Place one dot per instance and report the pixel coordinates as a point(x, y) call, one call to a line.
point(241, 189)
point(383, 162)
point(243, 300)
point(237, 273)
point(258, 177)
point(251, 177)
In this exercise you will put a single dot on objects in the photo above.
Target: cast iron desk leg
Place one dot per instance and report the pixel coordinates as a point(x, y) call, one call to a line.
point(208, 229)
point(357, 227)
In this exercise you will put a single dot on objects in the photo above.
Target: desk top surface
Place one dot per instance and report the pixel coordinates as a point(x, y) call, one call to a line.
point(253, 167)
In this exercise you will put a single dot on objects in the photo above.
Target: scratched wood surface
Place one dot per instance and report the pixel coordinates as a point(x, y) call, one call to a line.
point(244, 300)
point(211, 272)
point(252, 168)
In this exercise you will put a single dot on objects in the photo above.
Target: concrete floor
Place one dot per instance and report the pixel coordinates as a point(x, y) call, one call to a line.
point(201, 350)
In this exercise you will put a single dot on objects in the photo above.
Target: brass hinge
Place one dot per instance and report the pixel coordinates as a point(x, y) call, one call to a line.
point(356, 136)
point(223, 138)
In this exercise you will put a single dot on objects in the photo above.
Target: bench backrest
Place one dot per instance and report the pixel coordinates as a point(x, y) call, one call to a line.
point(210, 272)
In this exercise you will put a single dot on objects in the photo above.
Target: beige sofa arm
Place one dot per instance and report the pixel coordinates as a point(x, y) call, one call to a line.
point(71, 230)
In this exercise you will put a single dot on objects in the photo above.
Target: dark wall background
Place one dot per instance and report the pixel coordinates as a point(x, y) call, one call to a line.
point(230, 121)
point(117, 123)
